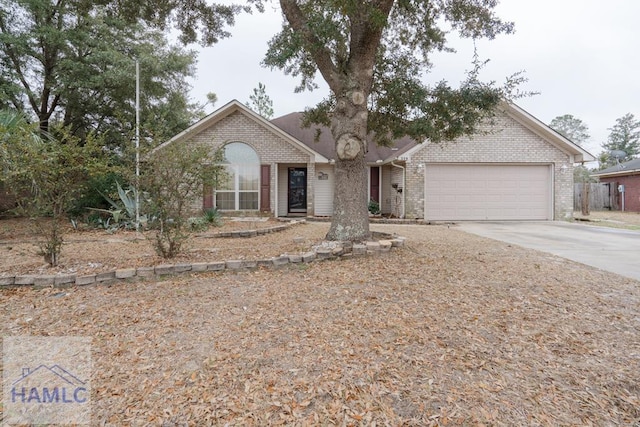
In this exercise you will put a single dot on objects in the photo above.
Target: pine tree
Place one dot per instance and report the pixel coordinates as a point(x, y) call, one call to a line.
point(624, 137)
point(260, 102)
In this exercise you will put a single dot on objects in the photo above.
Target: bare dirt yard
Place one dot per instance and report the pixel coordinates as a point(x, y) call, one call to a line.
point(453, 329)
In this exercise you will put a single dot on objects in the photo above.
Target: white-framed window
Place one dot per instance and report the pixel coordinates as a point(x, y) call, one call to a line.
point(240, 190)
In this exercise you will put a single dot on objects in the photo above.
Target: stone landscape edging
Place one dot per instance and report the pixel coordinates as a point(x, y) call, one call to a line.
point(339, 250)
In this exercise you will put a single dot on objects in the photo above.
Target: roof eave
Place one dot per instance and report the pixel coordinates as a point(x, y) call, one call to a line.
point(617, 173)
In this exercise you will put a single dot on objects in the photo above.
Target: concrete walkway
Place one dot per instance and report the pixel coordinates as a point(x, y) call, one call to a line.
point(609, 249)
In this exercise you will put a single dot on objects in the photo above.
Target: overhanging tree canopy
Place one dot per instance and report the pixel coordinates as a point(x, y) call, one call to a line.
point(374, 55)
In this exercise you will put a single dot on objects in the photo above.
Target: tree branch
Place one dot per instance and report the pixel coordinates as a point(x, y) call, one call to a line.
point(321, 55)
point(15, 60)
point(366, 33)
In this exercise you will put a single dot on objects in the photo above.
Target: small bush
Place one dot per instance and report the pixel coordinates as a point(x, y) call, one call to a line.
point(374, 207)
point(175, 176)
point(51, 247)
point(169, 239)
point(213, 217)
point(199, 223)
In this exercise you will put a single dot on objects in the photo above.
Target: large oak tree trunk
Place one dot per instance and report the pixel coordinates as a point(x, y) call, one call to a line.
point(350, 220)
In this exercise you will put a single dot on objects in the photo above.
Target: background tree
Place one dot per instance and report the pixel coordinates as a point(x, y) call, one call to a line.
point(582, 173)
point(623, 136)
point(260, 102)
point(374, 56)
point(74, 63)
point(212, 98)
point(571, 128)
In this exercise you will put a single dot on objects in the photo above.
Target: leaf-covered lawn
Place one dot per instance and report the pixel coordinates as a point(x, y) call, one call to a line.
point(452, 330)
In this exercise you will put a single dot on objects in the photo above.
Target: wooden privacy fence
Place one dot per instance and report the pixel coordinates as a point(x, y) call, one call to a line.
point(601, 197)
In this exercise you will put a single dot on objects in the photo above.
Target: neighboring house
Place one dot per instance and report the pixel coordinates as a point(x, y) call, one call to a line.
point(516, 168)
point(628, 175)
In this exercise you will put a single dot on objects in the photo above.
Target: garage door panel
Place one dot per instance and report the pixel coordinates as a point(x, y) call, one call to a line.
point(487, 192)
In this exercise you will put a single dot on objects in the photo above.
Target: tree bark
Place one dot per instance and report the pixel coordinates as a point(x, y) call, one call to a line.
point(350, 220)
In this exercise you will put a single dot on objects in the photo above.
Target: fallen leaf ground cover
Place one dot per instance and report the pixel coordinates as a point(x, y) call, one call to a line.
point(90, 251)
point(453, 329)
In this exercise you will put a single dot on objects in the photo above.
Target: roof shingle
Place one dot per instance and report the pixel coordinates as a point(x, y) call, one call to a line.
point(632, 165)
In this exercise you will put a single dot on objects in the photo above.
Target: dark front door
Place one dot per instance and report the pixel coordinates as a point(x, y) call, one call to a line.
point(297, 190)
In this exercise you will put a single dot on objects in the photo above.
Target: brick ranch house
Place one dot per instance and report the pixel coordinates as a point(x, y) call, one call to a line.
point(517, 168)
point(627, 174)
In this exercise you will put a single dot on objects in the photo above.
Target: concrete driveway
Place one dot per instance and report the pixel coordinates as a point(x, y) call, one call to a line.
point(614, 250)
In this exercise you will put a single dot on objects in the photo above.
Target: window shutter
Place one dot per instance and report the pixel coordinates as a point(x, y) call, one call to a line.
point(207, 198)
point(265, 188)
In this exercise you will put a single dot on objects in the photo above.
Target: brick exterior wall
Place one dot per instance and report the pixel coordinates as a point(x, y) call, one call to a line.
point(392, 201)
point(504, 140)
point(271, 149)
point(631, 191)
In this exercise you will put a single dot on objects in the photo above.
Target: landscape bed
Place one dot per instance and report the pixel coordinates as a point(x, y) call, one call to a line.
point(451, 329)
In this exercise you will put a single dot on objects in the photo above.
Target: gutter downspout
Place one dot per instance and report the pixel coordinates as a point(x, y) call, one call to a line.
point(404, 187)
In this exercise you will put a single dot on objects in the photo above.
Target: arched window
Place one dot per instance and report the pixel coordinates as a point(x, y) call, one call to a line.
point(239, 191)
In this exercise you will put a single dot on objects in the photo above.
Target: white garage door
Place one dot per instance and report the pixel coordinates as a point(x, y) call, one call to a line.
point(487, 192)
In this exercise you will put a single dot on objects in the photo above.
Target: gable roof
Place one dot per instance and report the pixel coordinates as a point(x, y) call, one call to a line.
point(405, 147)
point(231, 108)
point(319, 138)
point(580, 155)
point(318, 142)
point(632, 167)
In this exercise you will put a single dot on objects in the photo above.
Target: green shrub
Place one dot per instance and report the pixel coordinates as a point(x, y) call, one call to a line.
point(374, 207)
point(93, 196)
point(198, 223)
point(213, 217)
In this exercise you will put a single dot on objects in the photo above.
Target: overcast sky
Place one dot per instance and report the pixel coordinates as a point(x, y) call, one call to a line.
point(582, 56)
